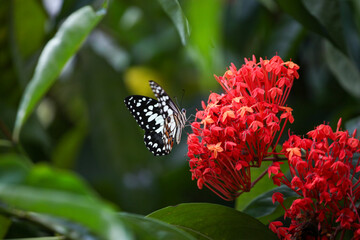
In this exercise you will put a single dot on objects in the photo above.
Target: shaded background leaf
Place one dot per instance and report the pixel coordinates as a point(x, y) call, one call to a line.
point(53, 58)
point(264, 210)
point(344, 69)
point(174, 11)
point(322, 17)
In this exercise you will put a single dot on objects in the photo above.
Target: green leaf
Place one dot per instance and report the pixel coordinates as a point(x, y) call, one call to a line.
point(43, 176)
point(147, 228)
point(65, 153)
point(206, 38)
point(297, 10)
point(328, 15)
point(174, 11)
point(270, 5)
point(5, 143)
point(4, 226)
point(29, 34)
point(13, 168)
point(58, 225)
point(263, 209)
point(211, 221)
point(53, 58)
point(356, 14)
point(344, 69)
point(43, 238)
point(322, 17)
point(98, 217)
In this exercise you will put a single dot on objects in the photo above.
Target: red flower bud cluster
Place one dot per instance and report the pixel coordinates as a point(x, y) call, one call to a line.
point(235, 130)
point(323, 168)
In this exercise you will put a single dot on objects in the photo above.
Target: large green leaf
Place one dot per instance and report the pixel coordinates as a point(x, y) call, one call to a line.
point(98, 217)
point(174, 11)
point(152, 229)
point(263, 209)
point(344, 69)
point(211, 221)
point(56, 53)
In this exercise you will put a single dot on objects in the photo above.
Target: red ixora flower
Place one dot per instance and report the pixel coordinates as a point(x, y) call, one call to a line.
point(235, 130)
point(323, 169)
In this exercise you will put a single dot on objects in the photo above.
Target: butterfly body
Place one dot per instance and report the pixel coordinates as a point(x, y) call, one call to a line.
point(161, 119)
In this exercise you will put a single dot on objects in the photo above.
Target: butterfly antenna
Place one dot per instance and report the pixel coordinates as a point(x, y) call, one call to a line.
point(182, 97)
point(189, 119)
point(193, 127)
point(190, 116)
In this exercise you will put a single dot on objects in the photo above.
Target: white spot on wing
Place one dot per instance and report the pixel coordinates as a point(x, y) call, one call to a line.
point(152, 117)
point(159, 120)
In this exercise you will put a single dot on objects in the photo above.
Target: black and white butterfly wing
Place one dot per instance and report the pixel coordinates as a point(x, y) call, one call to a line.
point(174, 118)
point(147, 114)
point(154, 142)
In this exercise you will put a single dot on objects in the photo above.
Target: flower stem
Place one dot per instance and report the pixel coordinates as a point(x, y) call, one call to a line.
point(342, 235)
point(275, 159)
point(258, 179)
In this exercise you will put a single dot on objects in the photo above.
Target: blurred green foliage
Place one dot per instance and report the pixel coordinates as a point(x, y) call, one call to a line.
point(74, 142)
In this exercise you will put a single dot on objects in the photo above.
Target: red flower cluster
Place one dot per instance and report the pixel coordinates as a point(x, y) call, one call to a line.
point(236, 129)
point(323, 169)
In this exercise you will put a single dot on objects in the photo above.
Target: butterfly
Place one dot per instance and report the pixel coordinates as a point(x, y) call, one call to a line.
point(161, 119)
